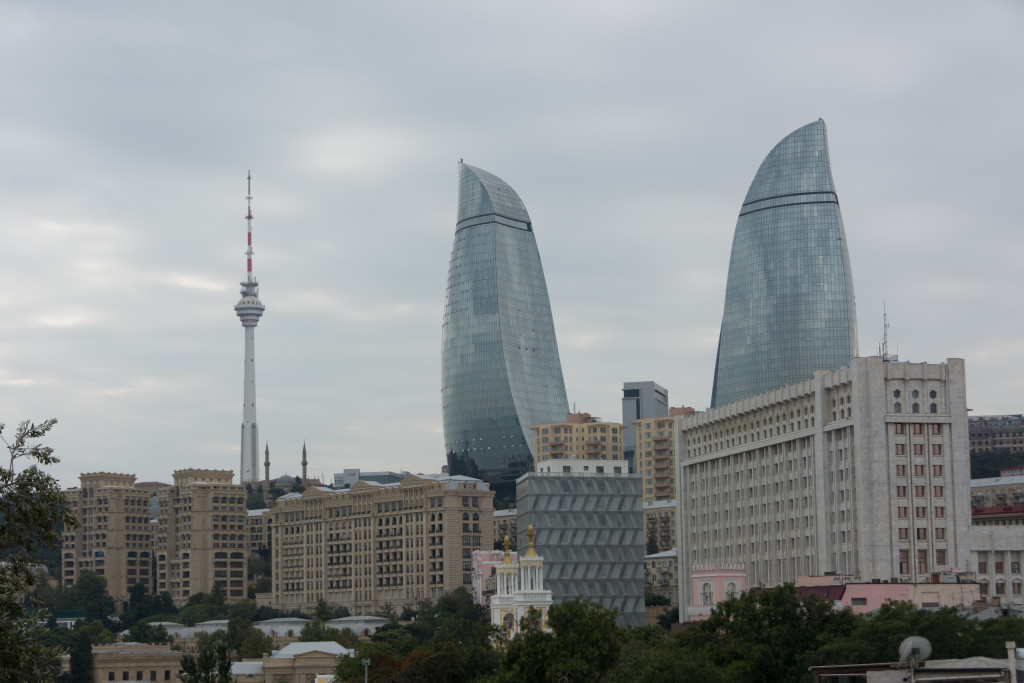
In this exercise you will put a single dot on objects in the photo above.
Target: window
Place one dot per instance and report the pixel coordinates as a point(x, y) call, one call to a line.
point(982, 567)
point(940, 511)
point(940, 556)
point(999, 567)
point(901, 512)
point(922, 534)
point(901, 491)
point(921, 512)
point(901, 449)
point(917, 428)
point(918, 470)
point(916, 408)
point(899, 428)
point(918, 449)
point(859, 601)
point(1016, 587)
point(937, 429)
point(903, 533)
point(933, 408)
point(897, 408)
point(937, 491)
point(936, 470)
point(919, 491)
point(901, 470)
point(936, 449)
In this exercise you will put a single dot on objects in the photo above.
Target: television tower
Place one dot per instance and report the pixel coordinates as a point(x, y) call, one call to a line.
point(249, 309)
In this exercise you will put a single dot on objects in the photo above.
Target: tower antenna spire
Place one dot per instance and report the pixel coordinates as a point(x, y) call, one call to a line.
point(249, 310)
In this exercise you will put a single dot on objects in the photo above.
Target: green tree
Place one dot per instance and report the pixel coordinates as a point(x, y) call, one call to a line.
point(583, 645)
point(142, 632)
point(81, 658)
point(97, 632)
point(33, 512)
point(210, 664)
point(652, 541)
point(261, 585)
point(317, 631)
point(89, 593)
point(255, 644)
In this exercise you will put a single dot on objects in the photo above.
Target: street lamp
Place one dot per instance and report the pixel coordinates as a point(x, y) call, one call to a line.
point(366, 671)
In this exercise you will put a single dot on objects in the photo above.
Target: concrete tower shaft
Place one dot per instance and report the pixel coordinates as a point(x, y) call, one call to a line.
point(249, 310)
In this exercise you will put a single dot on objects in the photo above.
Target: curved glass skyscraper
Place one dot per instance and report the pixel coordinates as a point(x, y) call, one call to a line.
point(500, 373)
point(789, 306)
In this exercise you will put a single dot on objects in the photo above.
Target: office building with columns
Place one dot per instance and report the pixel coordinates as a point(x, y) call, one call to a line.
point(861, 471)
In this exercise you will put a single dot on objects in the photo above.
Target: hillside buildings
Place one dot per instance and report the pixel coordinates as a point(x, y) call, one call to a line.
point(379, 543)
point(789, 305)
point(579, 437)
point(861, 471)
point(500, 370)
point(656, 456)
point(996, 432)
point(201, 535)
point(113, 538)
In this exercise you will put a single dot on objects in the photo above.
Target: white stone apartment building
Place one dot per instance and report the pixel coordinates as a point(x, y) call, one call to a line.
point(862, 471)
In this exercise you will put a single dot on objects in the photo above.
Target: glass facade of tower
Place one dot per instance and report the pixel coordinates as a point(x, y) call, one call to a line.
point(500, 372)
point(789, 305)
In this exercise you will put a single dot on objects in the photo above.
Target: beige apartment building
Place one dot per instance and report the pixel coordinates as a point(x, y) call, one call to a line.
point(257, 524)
point(201, 535)
point(113, 536)
point(655, 455)
point(580, 437)
point(660, 523)
point(862, 471)
point(379, 543)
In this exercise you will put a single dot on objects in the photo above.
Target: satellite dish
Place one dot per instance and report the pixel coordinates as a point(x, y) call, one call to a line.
point(915, 649)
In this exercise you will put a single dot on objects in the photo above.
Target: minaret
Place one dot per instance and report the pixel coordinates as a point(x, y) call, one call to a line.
point(303, 462)
point(266, 466)
point(249, 310)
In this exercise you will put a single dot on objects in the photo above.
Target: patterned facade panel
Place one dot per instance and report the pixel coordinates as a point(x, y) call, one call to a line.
point(590, 532)
point(789, 304)
point(500, 369)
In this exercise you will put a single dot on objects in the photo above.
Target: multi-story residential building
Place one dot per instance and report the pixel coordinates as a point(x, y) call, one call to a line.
point(379, 543)
point(201, 536)
point(113, 536)
point(258, 528)
point(656, 455)
point(789, 305)
point(859, 471)
point(660, 524)
point(992, 432)
point(661, 573)
point(500, 370)
point(504, 525)
point(590, 532)
point(579, 437)
point(639, 400)
point(999, 500)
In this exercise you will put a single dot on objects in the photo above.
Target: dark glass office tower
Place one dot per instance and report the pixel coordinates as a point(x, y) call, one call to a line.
point(789, 306)
point(500, 373)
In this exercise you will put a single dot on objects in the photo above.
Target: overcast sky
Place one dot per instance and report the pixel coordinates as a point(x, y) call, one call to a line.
point(631, 131)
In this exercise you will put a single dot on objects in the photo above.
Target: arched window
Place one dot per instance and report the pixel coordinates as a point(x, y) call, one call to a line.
point(933, 408)
point(916, 408)
point(730, 591)
point(897, 408)
point(707, 596)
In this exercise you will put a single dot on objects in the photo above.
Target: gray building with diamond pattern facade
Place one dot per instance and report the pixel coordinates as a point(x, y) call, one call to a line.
point(590, 533)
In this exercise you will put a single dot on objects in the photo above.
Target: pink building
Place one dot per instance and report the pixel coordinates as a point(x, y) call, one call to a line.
point(712, 584)
point(484, 562)
point(867, 597)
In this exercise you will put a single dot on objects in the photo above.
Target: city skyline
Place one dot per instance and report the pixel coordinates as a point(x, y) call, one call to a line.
point(629, 130)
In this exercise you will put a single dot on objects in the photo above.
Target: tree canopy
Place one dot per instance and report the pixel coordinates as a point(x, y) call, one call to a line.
point(33, 511)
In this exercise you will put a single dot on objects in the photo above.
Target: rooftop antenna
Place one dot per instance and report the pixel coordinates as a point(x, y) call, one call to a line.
point(886, 356)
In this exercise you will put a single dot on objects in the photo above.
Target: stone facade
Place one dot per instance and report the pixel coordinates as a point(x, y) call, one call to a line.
point(201, 536)
point(860, 471)
point(379, 543)
point(656, 457)
point(113, 536)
